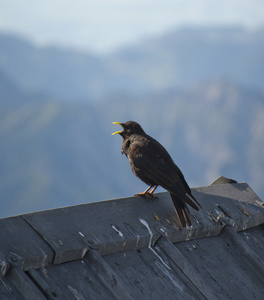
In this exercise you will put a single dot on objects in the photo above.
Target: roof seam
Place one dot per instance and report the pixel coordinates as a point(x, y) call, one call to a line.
point(43, 238)
point(251, 258)
point(186, 267)
point(35, 282)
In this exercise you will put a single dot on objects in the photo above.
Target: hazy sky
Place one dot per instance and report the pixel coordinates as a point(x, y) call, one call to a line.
point(104, 25)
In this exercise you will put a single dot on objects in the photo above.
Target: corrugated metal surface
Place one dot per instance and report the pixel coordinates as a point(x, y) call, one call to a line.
point(133, 249)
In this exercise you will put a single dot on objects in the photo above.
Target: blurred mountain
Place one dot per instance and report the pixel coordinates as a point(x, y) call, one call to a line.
point(57, 153)
point(179, 59)
point(57, 72)
point(198, 91)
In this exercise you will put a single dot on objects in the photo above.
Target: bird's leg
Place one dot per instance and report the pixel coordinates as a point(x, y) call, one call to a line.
point(152, 191)
point(145, 192)
point(148, 194)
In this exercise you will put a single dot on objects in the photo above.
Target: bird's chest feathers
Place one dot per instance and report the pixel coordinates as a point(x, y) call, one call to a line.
point(126, 147)
point(132, 147)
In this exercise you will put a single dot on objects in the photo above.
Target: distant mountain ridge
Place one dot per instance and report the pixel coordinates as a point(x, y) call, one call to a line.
point(199, 92)
point(56, 154)
point(179, 59)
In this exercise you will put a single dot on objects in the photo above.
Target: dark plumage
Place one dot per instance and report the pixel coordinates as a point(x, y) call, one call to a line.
point(151, 162)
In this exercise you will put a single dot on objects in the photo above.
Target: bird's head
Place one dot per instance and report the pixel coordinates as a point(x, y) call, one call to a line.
point(129, 128)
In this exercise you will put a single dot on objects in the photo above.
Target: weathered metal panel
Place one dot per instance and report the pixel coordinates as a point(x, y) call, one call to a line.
point(140, 261)
point(219, 267)
point(187, 268)
point(108, 227)
point(231, 204)
point(150, 274)
point(4, 264)
point(22, 246)
point(251, 260)
point(254, 237)
point(18, 286)
point(223, 180)
point(125, 224)
point(89, 278)
point(111, 278)
point(222, 266)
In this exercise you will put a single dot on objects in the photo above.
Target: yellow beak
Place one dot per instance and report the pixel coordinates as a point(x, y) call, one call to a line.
point(118, 123)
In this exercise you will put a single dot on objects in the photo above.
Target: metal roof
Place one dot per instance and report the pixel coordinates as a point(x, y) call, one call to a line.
point(134, 248)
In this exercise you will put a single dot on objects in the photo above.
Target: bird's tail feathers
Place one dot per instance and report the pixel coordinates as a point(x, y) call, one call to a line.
point(190, 200)
point(182, 210)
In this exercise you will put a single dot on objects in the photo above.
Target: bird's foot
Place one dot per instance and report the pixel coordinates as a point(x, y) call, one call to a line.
point(154, 197)
point(148, 196)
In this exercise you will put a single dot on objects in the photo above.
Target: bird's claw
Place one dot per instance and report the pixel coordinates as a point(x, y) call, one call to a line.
point(148, 195)
point(154, 197)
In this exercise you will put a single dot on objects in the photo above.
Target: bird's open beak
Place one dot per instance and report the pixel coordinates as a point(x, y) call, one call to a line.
point(118, 123)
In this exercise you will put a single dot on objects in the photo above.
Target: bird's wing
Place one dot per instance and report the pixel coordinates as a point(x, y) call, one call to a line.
point(155, 163)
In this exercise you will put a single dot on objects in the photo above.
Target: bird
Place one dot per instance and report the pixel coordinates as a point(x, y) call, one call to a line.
point(150, 162)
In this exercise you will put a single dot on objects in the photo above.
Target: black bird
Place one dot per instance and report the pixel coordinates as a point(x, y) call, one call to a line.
point(151, 162)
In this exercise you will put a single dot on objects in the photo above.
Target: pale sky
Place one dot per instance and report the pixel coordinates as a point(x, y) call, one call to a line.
point(105, 25)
